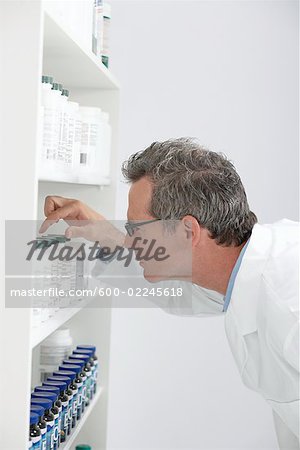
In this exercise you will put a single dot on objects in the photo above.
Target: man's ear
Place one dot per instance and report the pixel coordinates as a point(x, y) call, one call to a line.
point(192, 229)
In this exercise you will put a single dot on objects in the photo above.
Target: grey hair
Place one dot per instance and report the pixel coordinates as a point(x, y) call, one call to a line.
point(191, 180)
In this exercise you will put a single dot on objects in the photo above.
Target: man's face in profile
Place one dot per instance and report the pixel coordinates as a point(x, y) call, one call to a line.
point(163, 248)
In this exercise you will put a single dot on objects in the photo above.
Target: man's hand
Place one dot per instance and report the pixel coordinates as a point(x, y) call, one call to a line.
point(83, 221)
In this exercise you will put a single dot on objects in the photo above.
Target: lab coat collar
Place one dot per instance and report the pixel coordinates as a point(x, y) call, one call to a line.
point(246, 290)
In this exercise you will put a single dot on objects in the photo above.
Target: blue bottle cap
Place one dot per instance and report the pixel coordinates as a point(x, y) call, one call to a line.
point(84, 351)
point(71, 367)
point(51, 395)
point(75, 362)
point(45, 402)
point(65, 378)
point(62, 385)
point(53, 389)
point(65, 373)
point(80, 356)
point(37, 409)
point(34, 418)
point(87, 347)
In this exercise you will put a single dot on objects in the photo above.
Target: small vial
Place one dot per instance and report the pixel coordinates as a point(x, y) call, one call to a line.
point(74, 388)
point(69, 393)
point(39, 410)
point(79, 382)
point(49, 419)
point(34, 432)
point(87, 370)
point(63, 397)
point(55, 411)
point(91, 348)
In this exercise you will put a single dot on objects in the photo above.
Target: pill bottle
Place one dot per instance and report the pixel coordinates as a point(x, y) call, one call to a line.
point(39, 410)
point(98, 8)
point(63, 397)
point(69, 393)
point(34, 432)
point(79, 382)
point(62, 155)
point(56, 411)
point(91, 139)
point(74, 388)
point(82, 375)
point(48, 417)
point(74, 139)
point(84, 348)
point(91, 366)
point(87, 370)
point(53, 350)
point(105, 152)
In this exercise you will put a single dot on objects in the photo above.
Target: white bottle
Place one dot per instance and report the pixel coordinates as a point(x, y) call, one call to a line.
point(74, 140)
point(49, 128)
point(106, 32)
point(105, 152)
point(62, 156)
point(90, 142)
point(53, 350)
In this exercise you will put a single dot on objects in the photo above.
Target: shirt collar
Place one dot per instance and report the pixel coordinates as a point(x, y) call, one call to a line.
point(232, 278)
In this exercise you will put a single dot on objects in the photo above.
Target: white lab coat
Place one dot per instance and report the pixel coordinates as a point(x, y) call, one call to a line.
point(262, 323)
point(262, 320)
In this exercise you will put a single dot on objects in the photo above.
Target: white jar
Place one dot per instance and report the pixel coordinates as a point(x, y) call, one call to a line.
point(53, 350)
point(74, 139)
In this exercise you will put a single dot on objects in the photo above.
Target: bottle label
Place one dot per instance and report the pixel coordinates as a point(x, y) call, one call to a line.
point(64, 419)
point(44, 438)
point(36, 442)
point(50, 435)
point(56, 429)
point(79, 395)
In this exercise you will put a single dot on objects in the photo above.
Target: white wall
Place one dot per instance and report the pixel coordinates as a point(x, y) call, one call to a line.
point(225, 72)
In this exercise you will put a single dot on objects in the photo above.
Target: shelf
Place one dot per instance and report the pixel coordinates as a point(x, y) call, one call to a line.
point(56, 321)
point(71, 439)
point(102, 181)
point(69, 62)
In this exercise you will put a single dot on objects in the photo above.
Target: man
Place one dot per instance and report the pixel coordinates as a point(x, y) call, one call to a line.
point(252, 268)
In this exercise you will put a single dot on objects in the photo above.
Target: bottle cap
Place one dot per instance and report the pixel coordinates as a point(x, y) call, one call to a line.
point(65, 373)
point(84, 351)
point(45, 402)
point(85, 346)
point(80, 356)
point(70, 367)
point(67, 378)
point(62, 385)
point(55, 87)
point(83, 447)
point(60, 87)
point(47, 79)
point(34, 418)
point(37, 409)
point(65, 92)
point(53, 389)
point(49, 395)
point(76, 362)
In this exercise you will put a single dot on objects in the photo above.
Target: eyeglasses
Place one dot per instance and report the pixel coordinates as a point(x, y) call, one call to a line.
point(131, 226)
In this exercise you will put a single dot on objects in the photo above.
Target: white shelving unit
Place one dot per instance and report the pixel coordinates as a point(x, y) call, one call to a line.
point(35, 42)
